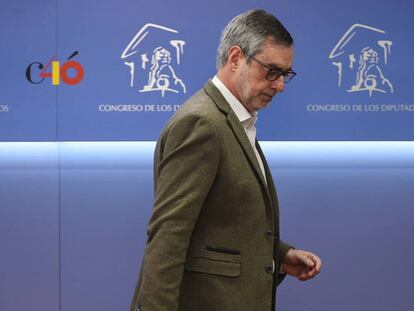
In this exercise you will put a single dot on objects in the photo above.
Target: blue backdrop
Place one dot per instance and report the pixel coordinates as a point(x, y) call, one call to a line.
point(79, 111)
point(73, 221)
point(353, 59)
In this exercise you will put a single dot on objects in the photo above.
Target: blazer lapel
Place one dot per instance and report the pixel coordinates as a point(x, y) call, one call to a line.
point(271, 185)
point(238, 131)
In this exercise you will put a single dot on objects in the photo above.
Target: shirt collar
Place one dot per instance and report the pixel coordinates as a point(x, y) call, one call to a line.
point(241, 112)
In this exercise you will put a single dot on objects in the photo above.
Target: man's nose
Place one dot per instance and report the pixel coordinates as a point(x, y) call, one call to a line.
point(278, 84)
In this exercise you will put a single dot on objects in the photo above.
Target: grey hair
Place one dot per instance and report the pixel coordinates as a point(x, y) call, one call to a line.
point(249, 30)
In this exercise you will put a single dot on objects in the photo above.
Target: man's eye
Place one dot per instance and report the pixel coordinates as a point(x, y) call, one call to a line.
point(273, 73)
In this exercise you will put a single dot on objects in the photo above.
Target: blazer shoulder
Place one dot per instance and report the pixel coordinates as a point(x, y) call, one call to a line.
point(199, 107)
point(197, 123)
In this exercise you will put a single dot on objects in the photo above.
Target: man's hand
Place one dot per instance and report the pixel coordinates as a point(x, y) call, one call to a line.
point(301, 264)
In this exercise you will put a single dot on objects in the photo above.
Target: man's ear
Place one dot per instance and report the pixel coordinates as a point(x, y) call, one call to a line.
point(236, 56)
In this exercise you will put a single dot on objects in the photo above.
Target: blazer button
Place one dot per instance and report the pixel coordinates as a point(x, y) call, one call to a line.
point(269, 234)
point(269, 268)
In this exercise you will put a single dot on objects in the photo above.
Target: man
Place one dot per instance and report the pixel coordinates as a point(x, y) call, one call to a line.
point(213, 238)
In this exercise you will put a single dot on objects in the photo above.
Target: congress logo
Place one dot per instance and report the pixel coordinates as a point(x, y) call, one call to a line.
point(361, 57)
point(153, 58)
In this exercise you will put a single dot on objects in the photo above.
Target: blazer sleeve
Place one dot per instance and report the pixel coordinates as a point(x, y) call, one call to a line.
point(187, 161)
point(283, 249)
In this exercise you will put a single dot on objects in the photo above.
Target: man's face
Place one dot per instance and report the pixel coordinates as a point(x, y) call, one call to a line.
point(252, 88)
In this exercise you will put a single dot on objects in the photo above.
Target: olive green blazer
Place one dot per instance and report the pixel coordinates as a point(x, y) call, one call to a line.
point(214, 230)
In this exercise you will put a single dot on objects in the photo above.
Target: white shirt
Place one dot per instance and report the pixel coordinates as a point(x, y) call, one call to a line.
point(247, 120)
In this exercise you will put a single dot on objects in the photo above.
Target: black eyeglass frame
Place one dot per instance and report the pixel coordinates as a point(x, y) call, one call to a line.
point(288, 75)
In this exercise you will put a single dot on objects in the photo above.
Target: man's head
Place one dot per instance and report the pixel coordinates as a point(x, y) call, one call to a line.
point(255, 48)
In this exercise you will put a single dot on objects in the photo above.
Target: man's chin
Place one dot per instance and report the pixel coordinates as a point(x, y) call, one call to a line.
point(266, 98)
point(266, 101)
point(261, 105)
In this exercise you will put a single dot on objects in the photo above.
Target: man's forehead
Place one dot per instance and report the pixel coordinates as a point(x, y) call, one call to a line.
point(276, 55)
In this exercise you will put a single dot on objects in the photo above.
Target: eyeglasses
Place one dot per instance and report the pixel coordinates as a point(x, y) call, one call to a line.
point(274, 74)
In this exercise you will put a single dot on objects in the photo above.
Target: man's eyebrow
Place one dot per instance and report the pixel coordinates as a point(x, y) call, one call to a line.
point(276, 67)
